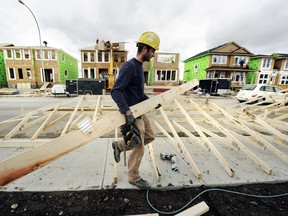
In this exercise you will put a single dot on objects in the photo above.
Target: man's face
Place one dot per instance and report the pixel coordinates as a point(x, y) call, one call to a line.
point(148, 54)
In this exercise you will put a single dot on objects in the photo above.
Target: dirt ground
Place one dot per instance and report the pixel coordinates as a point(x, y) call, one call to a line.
point(132, 202)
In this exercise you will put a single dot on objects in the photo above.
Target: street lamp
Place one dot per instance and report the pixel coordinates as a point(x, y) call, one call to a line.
point(43, 70)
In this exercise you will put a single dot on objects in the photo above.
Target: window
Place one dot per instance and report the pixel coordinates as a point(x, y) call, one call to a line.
point(195, 68)
point(165, 75)
point(210, 75)
point(238, 60)
point(66, 73)
point(38, 55)
point(217, 59)
point(263, 78)
point(18, 54)
point(63, 57)
point(99, 55)
point(284, 79)
point(286, 65)
point(12, 75)
point(85, 73)
point(53, 54)
point(20, 73)
point(267, 88)
point(85, 57)
point(266, 63)
point(9, 53)
point(92, 73)
point(92, 57)
point(46, 54)
point(166, 58)
point(122, 59)
point(26, 54)
point(106, 57)
point(29, 75)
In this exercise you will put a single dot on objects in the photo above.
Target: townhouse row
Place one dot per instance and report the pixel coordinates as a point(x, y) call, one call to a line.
point(231, 61)
point(21, 65)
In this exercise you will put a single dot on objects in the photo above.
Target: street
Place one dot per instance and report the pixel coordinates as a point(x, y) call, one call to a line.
point(10, 106)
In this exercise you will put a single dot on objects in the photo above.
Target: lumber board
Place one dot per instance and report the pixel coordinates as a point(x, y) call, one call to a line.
point(185, 152)
point(67, 126)
point(265, 142)
point(41, 128)
point(32, 123)
point(166, 134)
point(154, 163)
point(193, 137)
point(212, 147)
point(18, 126)
point(251, 154)
point(95, 116)
point(56, 121)
point(18, 165)
point(196, 210)
point(260, 121)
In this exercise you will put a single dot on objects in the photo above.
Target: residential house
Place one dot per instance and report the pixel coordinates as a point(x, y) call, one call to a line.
point(103, 59)
point(230, 61)
point(264, 69)
point(3, 77)
point(281, 70)
point(164, 69)
point(24, 65)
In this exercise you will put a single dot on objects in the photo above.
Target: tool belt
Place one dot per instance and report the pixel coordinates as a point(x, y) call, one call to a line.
point(131, 135)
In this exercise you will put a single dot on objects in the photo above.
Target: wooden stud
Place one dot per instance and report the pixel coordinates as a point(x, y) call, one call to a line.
point(67, 126)
point(213, 149)
point(41, 128)
point(187, 155)
point(18, 126)
point(18, 165)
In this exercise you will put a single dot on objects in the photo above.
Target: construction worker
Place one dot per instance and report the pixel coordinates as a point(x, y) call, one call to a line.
point(127, 91)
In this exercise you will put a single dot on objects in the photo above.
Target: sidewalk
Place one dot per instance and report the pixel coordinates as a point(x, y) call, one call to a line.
point(91, 167)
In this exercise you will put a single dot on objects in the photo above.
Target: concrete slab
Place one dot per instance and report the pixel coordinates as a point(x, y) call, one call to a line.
point(92, 167)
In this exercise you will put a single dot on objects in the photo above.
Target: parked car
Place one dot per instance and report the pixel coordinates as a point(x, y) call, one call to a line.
point(254, 91)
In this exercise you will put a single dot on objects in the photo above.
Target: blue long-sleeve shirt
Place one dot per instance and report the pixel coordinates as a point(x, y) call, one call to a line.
point(128, 89)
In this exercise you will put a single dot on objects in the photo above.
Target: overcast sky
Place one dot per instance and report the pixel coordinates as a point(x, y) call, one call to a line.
point(184, 26)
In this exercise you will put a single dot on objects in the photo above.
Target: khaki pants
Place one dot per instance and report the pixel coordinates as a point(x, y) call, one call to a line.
point(135, 158)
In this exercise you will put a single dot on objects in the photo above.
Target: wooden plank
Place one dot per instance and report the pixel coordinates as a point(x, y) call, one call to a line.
point(196, 210)
point(56, 121)
point(213, 149)
point(95, 116)
point(253, 156)
point(248, 130)
point(18, 126)
point(166, 134)
point(185, 152)
point(18, 165)
point(67, 126)
point(115, 165)
point(22, 143)
point(222, 140)
point(32, 123)
point(260, 121)
point(41, 128)
point(154, 163)
point(194, 138)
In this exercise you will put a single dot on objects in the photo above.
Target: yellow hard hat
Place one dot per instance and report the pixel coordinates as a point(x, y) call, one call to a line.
point(151, 39)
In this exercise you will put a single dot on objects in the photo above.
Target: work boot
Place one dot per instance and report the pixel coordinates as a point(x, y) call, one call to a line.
point(117, 151)
point(142, 184)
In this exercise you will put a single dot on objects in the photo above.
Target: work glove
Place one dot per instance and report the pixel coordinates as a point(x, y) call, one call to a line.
point(129, 119)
